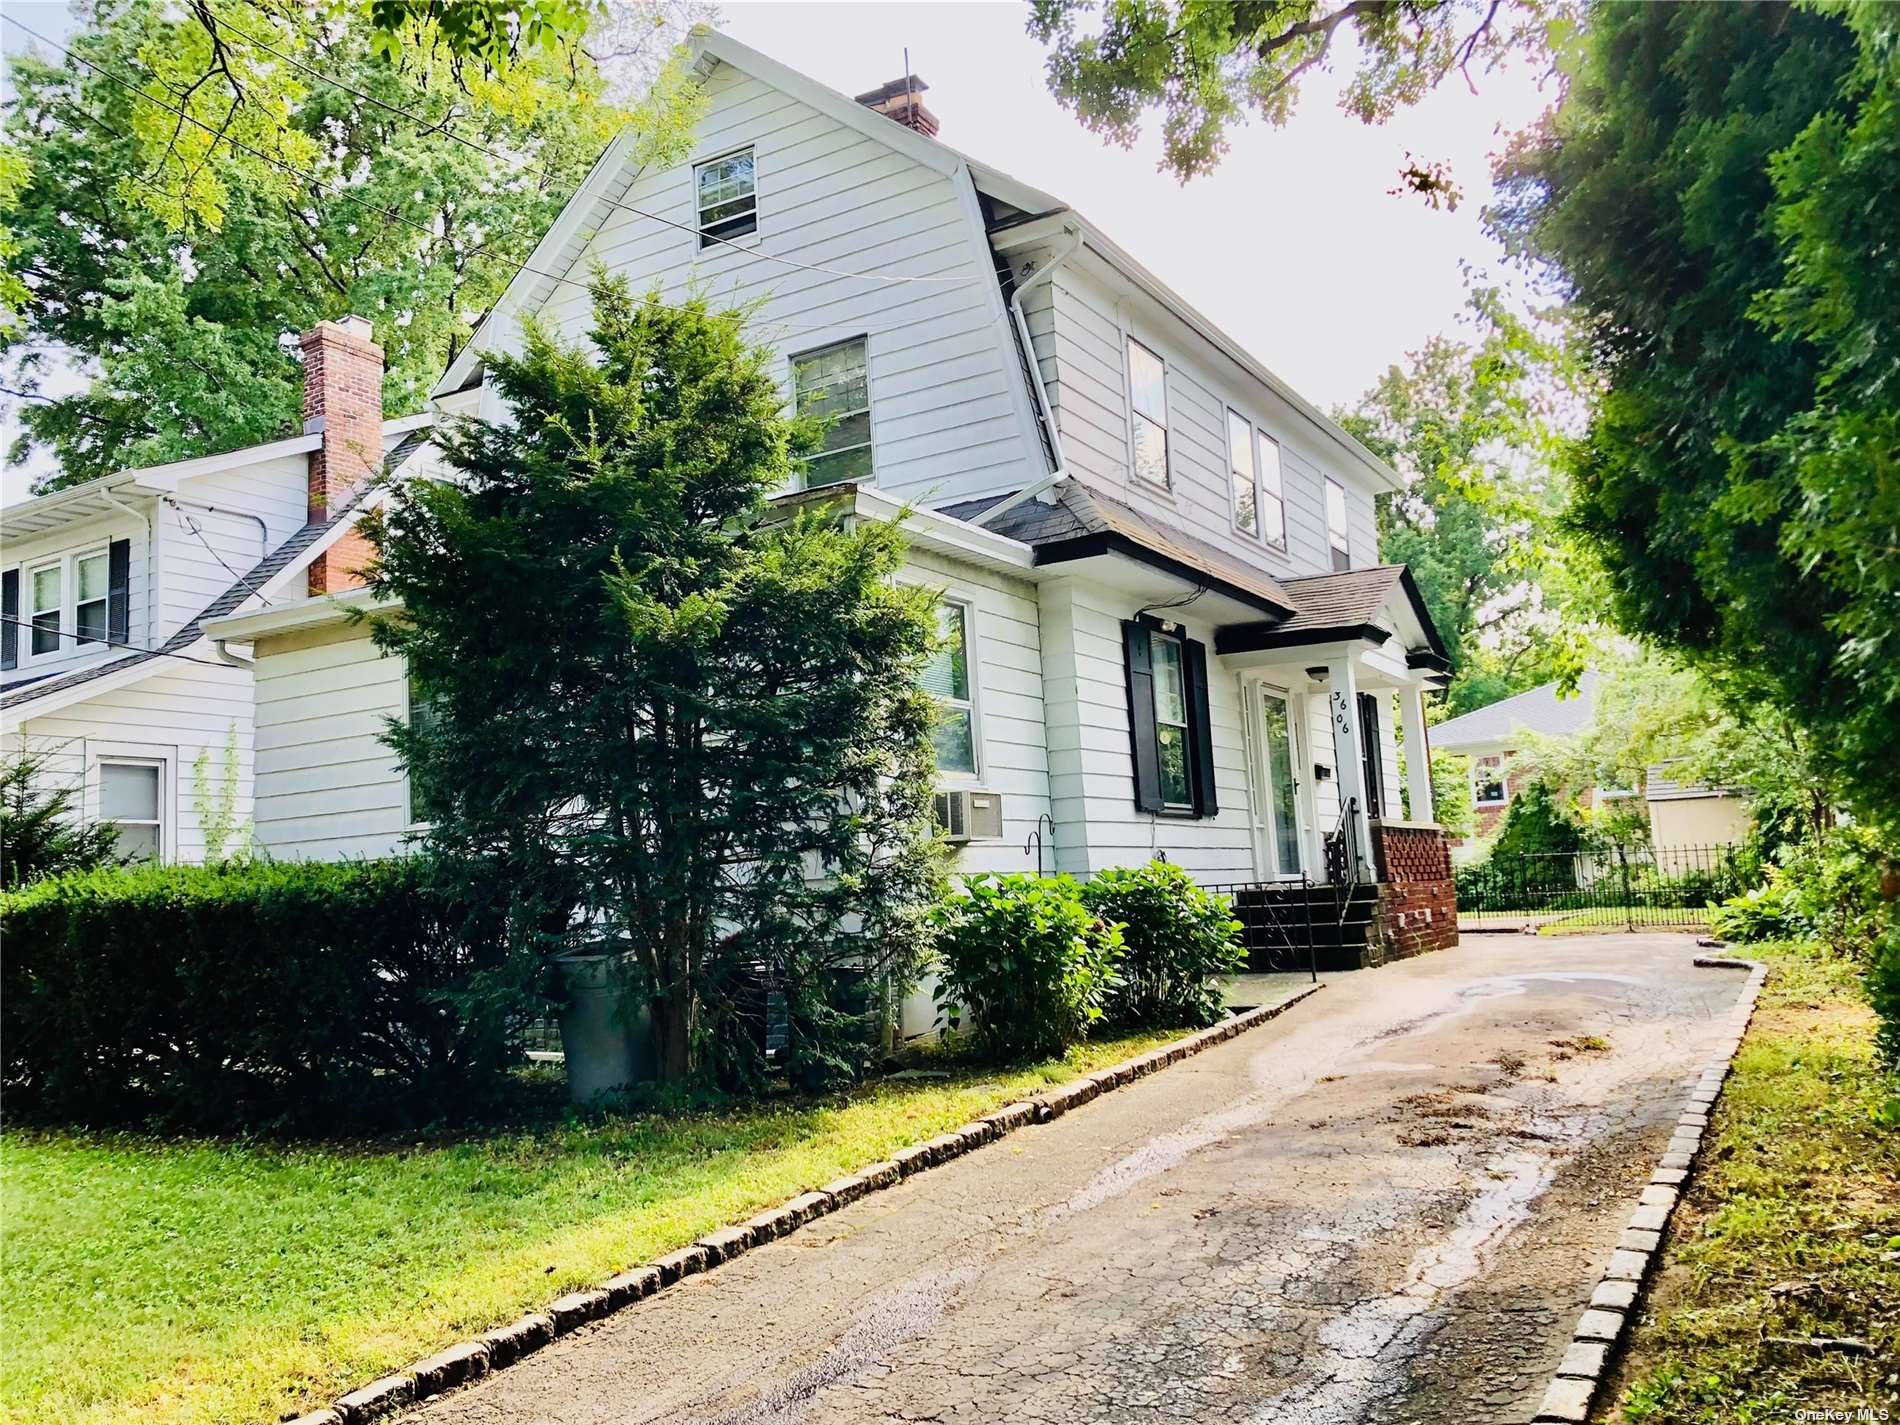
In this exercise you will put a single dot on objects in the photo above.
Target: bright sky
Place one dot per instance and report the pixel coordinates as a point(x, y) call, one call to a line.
point(1294, 245)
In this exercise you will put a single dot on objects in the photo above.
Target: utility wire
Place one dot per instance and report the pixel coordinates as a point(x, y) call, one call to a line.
point(106, 643)
point(196, 531)
point(387, 214)
point(468, 143)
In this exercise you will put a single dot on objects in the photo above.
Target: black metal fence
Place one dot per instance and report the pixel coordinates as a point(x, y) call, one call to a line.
point(1621, 888)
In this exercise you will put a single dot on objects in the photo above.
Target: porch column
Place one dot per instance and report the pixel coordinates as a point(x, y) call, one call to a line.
point(1342, 711)
point(1418, 756)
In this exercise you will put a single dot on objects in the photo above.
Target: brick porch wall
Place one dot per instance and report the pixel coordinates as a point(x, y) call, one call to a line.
point(1418, 903)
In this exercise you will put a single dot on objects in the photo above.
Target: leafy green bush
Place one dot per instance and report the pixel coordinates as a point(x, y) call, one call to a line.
point(253, 994)
point(1027, 961)
point(1537, 824)
point(1179, 942)
point(1830, 894)
point(41, 831)
point(1883, 991)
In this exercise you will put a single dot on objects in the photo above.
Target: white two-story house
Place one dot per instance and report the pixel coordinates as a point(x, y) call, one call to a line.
point(1176, 637)
point(108, 678)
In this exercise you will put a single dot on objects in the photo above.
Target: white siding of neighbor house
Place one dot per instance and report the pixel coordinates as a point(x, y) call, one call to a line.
point(1080, 330)
point(327, 786)
point(948, 417)
point(174, 714)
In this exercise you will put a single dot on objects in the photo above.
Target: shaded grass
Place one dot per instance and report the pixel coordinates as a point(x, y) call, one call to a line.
point(187, 1280)
point(1791, 1227)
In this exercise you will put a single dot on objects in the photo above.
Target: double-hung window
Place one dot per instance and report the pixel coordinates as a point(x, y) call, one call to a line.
point(1272, 504)
point(422, 719)
point(727, 194)
point(833, 384)
point(47, 585)
point(132, 801)
point(1337, 537)
point(92, 576)
point(1487, 781)
point(1243, 473)
point(1168, 720)
point(947, 679)
point(1171, 722)
point(1148, 405)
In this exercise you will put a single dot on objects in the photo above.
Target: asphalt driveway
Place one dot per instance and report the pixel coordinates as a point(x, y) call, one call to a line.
point(1389, 1204)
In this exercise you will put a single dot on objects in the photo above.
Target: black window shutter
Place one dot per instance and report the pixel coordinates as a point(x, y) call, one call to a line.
point(1138, 657)
point(119, 591)
point(1369, 751)
point(1200, 728)
point(10, 630)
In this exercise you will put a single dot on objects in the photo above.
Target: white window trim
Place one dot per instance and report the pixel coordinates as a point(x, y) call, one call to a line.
point(973, 664)
point(700, 245)
point(142, 754)
point(870, 402)
point(1343, 545)
point(1129, 342)
point(67, 644)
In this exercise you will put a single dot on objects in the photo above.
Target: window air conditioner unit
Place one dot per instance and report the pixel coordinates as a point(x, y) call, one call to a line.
point(970, 816)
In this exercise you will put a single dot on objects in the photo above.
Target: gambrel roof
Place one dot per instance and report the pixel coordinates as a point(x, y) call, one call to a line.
point(565, 244)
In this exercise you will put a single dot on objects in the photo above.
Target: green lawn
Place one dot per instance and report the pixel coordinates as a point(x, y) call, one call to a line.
point(1791, 1227)
point(175, 1281)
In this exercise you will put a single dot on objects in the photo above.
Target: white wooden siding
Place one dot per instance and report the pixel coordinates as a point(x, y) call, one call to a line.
point(179, 711)
point(947, 417)
point(23, 554)
point(1080, 332)
point(195, 568)
point(328, 787)
point(1091, 761)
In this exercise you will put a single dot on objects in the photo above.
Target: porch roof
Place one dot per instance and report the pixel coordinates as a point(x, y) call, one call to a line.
point(1083, 524)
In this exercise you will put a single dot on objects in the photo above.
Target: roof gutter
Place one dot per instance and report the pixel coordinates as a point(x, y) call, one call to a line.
point(1041, 392)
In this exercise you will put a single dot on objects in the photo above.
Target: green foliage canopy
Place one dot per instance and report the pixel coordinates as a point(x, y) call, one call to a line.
point(1718, 195)
point(1206, 63)
point(184, 205)
point(682, 723)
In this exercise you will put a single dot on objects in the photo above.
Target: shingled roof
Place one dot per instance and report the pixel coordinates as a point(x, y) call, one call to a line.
point(233, 597)
point(1540, 711)
point(1081, 523)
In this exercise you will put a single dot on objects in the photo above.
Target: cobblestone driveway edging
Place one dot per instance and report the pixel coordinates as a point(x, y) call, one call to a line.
point(470, 1360)
point(1612, 1306)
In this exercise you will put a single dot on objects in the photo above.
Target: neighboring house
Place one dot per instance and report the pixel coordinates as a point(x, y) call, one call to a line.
point(1490, 736)
point(107, 675)
point(1692, 814)
point(1681, 815)
point(1176, 637)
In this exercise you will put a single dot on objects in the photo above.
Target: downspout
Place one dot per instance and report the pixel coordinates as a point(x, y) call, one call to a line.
point(150, 520)
point(1044, 410)
point(263, 530)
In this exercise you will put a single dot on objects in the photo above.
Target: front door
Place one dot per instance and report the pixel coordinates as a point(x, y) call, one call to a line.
point(1279, 759)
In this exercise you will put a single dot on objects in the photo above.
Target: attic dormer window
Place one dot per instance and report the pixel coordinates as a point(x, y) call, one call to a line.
point(728, 196)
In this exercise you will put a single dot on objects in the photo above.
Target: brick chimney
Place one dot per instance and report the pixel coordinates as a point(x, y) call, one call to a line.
point(342, 402)
point(902, 100)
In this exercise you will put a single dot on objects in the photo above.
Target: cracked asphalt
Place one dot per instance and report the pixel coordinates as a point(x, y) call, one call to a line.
point(1387, 1205)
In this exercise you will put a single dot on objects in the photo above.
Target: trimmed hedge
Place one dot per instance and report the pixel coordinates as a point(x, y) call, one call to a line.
point(254, 995)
